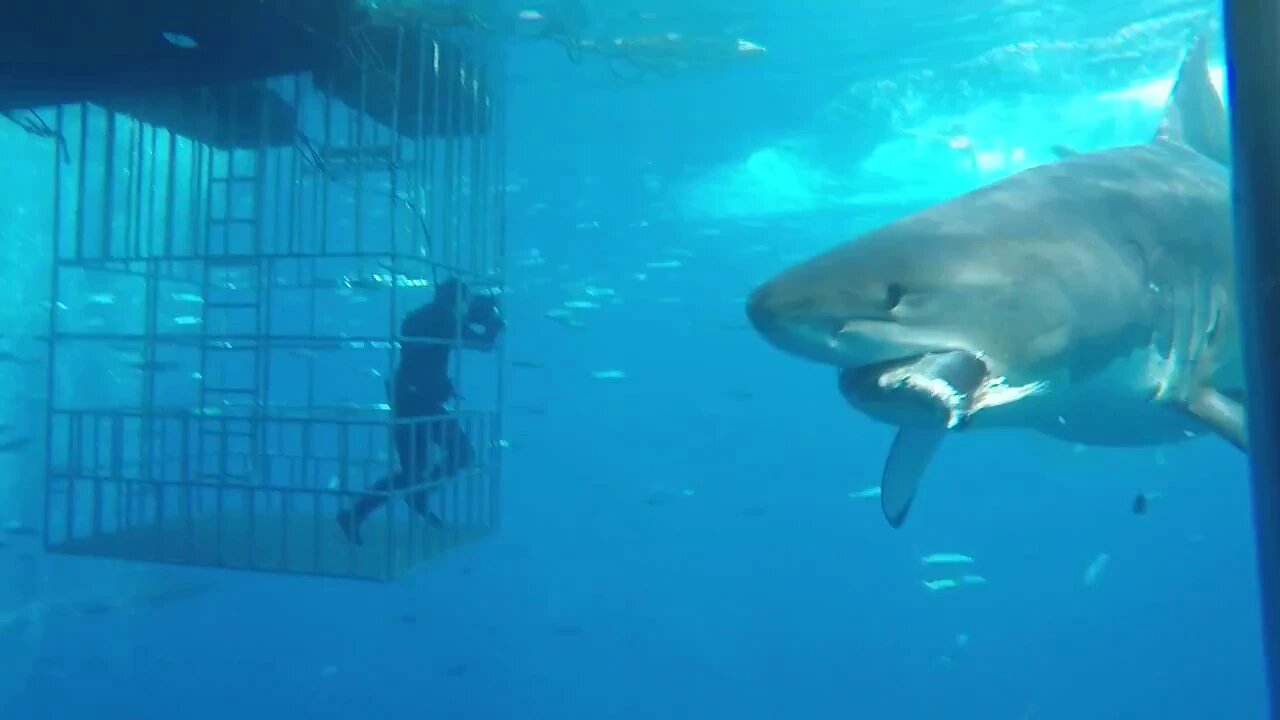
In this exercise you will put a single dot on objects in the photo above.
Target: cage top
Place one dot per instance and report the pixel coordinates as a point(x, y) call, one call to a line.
point(125, 45)
point(174, 64)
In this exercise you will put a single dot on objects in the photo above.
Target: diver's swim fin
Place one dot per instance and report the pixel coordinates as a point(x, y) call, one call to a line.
point(909, 457)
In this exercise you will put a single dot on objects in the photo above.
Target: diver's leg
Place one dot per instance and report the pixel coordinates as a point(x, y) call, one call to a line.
point(459, 454)
point(350, 520)
point(445, 431)
point(419, 499)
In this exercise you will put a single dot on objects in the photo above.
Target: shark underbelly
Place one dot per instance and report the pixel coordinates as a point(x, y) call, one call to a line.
point(1130, 402)
point(1117, 407)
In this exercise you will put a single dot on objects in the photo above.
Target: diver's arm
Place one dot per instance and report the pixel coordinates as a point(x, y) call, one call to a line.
point(482, 340)
point(483, 313)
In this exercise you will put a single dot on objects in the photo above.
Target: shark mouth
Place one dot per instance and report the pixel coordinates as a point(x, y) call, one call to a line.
point(944, 387)
point(927, 389)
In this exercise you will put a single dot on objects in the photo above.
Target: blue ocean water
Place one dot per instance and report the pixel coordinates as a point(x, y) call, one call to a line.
point(685, 539)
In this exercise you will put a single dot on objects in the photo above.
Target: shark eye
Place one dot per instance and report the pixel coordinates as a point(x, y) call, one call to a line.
point(893, 296)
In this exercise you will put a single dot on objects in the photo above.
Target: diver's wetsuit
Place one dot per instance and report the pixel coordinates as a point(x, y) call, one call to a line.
point(418, 396)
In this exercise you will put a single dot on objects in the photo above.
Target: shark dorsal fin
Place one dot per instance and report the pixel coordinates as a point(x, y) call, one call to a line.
point(1195, 115)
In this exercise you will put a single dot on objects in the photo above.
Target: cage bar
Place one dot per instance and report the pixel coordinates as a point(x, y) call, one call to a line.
point(1250, 30)
point(234, 260)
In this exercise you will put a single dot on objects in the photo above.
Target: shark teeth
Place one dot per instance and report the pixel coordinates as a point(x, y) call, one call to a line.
point(952, 400)
point(996, 392)
point(992, 391)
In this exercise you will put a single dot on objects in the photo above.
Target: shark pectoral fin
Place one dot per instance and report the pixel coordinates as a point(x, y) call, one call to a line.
point(1226, 416)
point(912, 449)
point(1064, 151)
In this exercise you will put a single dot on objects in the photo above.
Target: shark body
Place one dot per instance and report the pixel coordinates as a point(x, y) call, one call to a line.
point(1091, 299)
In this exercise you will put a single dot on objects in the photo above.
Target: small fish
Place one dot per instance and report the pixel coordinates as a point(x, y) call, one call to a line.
point(7, 356)
point(565, 318)
point(19, 529)
point(659, 498)
point(871, 492)
point(943, 584)
point(609, 375)
point(664, 265)
point(159, 597)
point(96, 607)
point(946, 559)
point(1094, 571)
point(581, 305)
point(1140, 504)
point(15, 445)
point(178, 40)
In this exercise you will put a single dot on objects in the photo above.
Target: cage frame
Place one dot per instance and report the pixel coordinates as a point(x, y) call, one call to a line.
point(470, 224)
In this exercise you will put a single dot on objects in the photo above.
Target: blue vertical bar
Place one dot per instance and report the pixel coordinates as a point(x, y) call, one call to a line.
point(1252, 29)
point(51, 368)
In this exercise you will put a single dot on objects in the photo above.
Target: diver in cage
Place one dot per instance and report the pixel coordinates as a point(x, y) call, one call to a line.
point(421, 392)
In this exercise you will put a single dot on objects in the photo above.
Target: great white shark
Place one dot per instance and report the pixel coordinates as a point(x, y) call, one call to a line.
point(1091, 299)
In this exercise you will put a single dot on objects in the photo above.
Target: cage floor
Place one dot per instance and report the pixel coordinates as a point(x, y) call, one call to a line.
point(303, 544)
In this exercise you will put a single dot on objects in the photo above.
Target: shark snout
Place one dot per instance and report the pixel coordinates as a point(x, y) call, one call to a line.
point(761, 309)
point(792, 317)
point(774, 310)
point(790, 321)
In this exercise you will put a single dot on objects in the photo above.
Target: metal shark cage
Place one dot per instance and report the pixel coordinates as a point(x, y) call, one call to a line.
point(232, 265)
